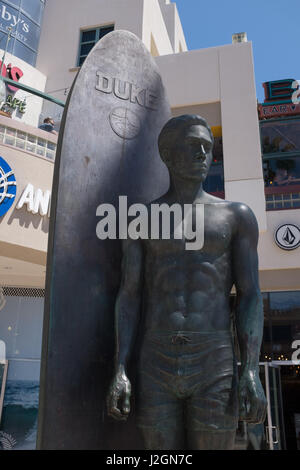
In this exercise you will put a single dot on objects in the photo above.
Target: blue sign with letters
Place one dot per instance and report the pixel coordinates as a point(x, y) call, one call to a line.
point(24, 18)
point(8, 187)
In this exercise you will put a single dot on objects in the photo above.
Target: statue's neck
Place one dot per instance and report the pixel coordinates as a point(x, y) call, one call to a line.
point(185, 191)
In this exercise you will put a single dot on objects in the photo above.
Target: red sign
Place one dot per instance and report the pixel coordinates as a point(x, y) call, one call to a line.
point(281, 99)
point(277, 110)
point(14, 73)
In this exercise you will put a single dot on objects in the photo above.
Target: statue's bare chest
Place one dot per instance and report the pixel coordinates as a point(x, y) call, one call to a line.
point(206, 232)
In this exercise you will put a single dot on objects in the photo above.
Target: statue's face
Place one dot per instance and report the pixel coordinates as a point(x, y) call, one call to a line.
point(192, 153)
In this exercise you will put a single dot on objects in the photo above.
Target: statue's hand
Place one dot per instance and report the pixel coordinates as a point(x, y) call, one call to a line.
point(118, 399)
point(252, 400)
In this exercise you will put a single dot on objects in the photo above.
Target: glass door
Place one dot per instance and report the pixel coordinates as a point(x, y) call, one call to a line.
point(274, 424)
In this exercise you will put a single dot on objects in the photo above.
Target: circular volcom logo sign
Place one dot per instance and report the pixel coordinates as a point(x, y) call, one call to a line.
point(125, 123)
point(287, 236)
point(8, 187)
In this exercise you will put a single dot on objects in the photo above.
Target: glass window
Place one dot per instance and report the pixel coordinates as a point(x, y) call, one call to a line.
point(21, 322)
point(30, 147)
point(86, 48)
point(33, 8)
point(20, 143)
point(280, 136)
point(9, 140)
point(14, 2)
point(24, 53)
point(40, 151)
point(21, 135)
point(25, 35)
point(42, 142)
point(282, 325)
point(282, 171)
point(50, 155)
point(51, 146)
point(104, 31)
point(214, 182)
point(31, 138)
point(10, 131)
point(89, 38)
point(28, 32)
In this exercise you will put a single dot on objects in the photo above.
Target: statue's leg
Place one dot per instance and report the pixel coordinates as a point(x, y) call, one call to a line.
point(212, 408)
point(160, 416)
point(164, 437)
point(159, 411)
point(209, 440)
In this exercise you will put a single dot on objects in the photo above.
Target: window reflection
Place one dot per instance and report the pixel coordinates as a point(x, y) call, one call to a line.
point(282, 325)
point(282, 171)
point(280, 136)
point(214, 182)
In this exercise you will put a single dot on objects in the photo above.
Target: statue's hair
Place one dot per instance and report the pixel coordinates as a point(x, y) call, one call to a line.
point(176, 127)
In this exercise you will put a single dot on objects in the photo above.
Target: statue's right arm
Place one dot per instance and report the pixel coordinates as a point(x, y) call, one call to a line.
point(127, 314)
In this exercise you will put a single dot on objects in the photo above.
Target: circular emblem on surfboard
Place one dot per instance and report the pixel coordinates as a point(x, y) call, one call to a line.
point(125, 123)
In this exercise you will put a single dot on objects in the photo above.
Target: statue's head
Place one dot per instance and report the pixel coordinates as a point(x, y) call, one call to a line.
point(185, 145)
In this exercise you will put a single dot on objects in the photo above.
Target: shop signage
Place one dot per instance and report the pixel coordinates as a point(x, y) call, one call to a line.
point(24, 18)
point(272, 111)
point(8, 187)
point(9, 102)
point(280, 90)
point(15, 103)
point(13, 20)
point(281, 99)
point(287, 236)
point(36, 201)
point(14, 73)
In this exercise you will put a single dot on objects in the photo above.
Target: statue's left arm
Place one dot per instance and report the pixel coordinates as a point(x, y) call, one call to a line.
point(249, 314)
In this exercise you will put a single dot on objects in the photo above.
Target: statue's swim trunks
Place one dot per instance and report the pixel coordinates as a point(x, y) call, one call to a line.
point(188, 378)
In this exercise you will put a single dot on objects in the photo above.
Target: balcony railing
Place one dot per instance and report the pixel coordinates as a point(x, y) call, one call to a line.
point(27, 138)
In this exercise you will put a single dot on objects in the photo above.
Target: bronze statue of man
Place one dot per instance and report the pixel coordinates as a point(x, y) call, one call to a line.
point(188, 393)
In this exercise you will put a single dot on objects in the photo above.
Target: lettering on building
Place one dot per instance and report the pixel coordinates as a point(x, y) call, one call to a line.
point(13, 20)
point(36, 201)
point(14, 73)
point(15, 103)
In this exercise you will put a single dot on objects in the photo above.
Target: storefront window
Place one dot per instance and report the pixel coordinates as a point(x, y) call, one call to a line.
point(279, 172)
point(280, 141)
point(214, 183)
point(282, 325)
point(280, 136)
point(21, 319)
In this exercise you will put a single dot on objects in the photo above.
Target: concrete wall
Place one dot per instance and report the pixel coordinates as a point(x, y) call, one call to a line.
point(173, 25)
point(155, 27)
point(211, 112)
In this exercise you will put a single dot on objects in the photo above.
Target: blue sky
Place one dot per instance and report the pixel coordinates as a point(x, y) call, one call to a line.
point(273, 26)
